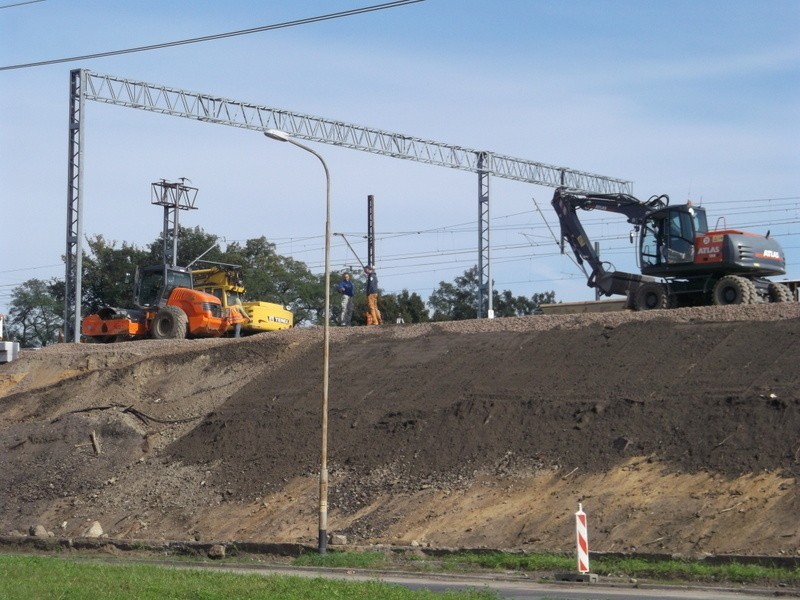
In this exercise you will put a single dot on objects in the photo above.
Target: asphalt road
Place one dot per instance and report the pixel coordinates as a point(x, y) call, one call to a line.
point(516, 589)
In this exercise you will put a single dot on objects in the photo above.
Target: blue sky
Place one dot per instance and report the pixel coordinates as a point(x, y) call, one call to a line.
point(693, 99)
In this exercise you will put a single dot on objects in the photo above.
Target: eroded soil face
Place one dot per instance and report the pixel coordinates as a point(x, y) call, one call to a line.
point(678, 431)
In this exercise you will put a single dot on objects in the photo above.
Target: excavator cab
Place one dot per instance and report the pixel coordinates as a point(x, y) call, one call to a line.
point(668, 238)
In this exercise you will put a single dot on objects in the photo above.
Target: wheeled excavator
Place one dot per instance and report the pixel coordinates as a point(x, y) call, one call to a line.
point(682, 261)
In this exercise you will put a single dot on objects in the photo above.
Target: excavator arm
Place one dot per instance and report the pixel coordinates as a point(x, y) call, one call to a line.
point(567, 201)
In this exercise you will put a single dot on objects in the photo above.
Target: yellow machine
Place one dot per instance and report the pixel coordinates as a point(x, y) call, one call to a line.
point(225, 282)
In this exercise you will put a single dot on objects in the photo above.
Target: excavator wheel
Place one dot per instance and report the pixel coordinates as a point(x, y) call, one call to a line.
point(630, 300)
point(733, 289)
point(779, 292)
point(651, 296)
point(170, 323)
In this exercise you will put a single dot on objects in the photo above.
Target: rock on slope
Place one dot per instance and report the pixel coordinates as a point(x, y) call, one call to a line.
point(678, 431)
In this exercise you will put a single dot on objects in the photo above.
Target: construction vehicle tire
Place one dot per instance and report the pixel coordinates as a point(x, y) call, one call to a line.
point(733, 289)
point(630, 300)
point(651, 296)
point(779, 292)
point(170, 323)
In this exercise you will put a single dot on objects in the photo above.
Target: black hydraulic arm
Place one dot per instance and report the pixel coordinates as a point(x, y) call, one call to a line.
point(566, 201)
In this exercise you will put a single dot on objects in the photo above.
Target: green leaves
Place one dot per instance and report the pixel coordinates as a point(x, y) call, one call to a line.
point(35, 318)
point(108, 273)
point(459, 300)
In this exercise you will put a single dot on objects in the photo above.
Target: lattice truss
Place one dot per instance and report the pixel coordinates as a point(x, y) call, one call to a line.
point(224, 111)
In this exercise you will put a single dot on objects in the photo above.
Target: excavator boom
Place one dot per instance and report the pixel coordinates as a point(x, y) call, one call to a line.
point(567, 201)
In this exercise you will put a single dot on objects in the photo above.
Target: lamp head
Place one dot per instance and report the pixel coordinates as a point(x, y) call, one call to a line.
point(277, 134)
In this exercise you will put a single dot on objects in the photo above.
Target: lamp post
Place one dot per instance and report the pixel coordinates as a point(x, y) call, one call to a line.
point(282, 136)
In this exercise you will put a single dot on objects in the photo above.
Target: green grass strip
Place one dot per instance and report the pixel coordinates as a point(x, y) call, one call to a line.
point(34, 577)
point(687, 570)
point(669, 570)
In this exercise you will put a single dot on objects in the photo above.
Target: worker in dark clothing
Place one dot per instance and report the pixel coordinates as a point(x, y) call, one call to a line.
point(345, 288)
point(373, 314)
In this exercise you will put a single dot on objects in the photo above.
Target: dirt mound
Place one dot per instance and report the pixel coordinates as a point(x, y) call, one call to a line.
point(678, 430)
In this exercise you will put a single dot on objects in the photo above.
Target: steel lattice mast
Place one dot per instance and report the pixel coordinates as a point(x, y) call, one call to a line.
point(87, 85)
point(74, 255)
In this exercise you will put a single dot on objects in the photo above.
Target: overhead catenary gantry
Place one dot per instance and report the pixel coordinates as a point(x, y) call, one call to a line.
point(174, 196)
point(209, 108)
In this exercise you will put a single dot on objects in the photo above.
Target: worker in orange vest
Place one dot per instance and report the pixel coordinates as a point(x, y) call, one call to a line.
point(373, 314)
point(237, 316)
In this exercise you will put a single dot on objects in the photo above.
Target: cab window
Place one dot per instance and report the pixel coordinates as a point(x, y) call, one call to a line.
point(650, 243)
point(699, 220)
point(150, 289)
point(679, 243)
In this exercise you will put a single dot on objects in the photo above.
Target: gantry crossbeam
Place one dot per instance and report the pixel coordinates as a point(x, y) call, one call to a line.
point(234, 113)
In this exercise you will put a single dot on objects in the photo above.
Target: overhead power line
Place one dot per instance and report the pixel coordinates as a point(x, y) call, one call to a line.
point(749, 201)
point(219, 36)
point(20, 3)
point(32, 268)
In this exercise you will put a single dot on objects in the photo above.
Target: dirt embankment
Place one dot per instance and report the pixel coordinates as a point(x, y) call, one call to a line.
point(678, 430)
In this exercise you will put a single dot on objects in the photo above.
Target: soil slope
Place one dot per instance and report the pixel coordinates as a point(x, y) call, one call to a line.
point(678, 431)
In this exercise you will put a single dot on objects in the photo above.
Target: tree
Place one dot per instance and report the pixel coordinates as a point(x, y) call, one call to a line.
point(35, 314)
point(456, 301)
point(108, 273)
point(459, 300)
point(309, 303)
point(543, 298)
point(410, 307)
point(505, 304)
point(271, 277)
point(193, 242)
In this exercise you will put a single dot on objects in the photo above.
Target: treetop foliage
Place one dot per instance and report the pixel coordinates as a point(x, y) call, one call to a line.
point(459, 300)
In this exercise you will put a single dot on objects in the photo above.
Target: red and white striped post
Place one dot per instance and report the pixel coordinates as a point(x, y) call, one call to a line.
point(582, 532)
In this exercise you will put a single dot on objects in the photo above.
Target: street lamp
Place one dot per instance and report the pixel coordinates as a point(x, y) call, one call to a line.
point(282, 136)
